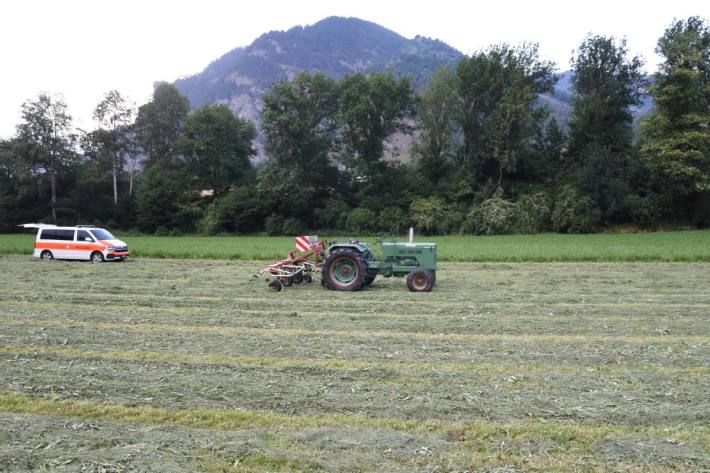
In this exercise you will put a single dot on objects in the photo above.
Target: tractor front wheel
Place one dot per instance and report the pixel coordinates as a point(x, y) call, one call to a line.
point(420, 280)
point(344, 270)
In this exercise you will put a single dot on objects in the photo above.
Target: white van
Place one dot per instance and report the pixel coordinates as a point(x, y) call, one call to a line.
point(83, 242)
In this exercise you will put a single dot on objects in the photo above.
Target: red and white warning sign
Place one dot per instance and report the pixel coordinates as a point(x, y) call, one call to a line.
point(305, 243)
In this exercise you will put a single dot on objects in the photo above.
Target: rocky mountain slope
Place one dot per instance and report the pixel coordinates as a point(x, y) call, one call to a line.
point(338, 47)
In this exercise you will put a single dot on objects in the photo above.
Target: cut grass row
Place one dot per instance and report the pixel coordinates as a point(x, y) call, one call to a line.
point(474, 444)
point(661, 246)
point(225, 419)
point(501, 393)
point(285, 332)
point(345, 364)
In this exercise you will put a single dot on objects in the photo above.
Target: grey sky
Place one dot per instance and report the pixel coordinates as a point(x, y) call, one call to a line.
point(83, 48)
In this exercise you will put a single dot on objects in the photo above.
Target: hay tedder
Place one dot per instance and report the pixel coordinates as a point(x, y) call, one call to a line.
point(299, 266)
point(352, 265)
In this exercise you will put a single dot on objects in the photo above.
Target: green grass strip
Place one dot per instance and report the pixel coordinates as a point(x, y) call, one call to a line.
point(688, 246)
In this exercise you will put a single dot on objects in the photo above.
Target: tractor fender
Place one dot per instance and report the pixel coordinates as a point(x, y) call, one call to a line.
point(359, 247)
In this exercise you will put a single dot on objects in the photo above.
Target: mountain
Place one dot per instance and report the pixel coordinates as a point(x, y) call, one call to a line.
point(335, 46)
point(338, 47)
point(560, 100)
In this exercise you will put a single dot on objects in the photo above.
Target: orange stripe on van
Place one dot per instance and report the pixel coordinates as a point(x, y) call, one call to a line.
point(68, 246)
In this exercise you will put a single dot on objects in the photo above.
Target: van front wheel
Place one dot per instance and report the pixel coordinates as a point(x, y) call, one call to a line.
point(97, 257)
point(46, 255)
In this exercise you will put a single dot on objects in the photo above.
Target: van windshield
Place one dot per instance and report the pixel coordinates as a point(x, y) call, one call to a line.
point(102, 234)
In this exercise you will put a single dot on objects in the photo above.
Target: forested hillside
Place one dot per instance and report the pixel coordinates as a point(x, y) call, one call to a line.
point(335, 46)
point(497, 141)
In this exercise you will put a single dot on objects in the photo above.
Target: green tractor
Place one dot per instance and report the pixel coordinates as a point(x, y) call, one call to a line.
point(351, 266)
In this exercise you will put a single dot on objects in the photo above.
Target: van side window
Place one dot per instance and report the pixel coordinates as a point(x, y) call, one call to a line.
point(54, 234)
point(81, 235)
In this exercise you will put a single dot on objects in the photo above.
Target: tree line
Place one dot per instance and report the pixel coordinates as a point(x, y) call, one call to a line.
point(487, 156)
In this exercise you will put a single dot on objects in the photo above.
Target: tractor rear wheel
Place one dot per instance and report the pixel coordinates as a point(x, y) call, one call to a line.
point(420, 280)
point(344, 270)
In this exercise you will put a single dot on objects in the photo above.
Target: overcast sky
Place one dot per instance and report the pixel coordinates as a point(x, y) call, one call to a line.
point(84, 48)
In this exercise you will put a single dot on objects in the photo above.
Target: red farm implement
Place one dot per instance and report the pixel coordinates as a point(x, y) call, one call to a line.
point(299, 266)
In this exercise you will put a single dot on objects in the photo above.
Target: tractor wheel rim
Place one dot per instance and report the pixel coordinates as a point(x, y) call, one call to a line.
point(420, 282)
point(344, 270)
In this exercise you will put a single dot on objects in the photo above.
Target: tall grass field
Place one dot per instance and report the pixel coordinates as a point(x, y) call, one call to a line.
point(685, 246)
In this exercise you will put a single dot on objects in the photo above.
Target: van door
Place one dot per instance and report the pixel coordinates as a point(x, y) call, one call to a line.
point(84, 245)
point(60, 241)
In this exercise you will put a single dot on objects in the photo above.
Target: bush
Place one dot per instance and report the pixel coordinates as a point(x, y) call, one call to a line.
point(429, 214)
point(452, 221)
point(360, 221)
point(574, 213)
point(533, 213)
point(239, 211)
point(277, 225)
point(274, 225)
point(392, 220)
point(163, 201)
point(701, 210)
point(334, 215)
point(642, 210)
point(292, 227)
point(495, 216)
point(209, 224)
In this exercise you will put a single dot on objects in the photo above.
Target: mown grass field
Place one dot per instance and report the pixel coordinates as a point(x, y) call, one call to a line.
point(660, 246)
point(169, 365)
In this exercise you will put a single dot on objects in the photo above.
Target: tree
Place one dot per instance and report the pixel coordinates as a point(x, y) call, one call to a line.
point(434, 147)
point(113, 115)
point(8, 185)
point(163, 203)
point(158, 123)
point(371, 109)
point(676, 135)
point(607, 84)
point(496, 92)
point(547, 160)
point(299, 120)
point(47, 139)
point(217, 146)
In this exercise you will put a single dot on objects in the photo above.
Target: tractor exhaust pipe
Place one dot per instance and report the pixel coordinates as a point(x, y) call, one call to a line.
point(411, 234)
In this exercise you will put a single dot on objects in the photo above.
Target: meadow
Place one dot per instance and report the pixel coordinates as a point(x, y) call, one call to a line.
point(690, 245)
point(164, 365)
